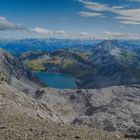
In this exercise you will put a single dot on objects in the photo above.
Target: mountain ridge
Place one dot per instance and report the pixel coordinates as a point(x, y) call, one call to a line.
point(115, 65)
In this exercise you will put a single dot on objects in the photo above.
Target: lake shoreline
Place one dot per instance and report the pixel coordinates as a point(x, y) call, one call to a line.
point(57, 80)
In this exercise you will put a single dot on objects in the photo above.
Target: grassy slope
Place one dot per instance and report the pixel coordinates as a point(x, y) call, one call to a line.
point(77, 67)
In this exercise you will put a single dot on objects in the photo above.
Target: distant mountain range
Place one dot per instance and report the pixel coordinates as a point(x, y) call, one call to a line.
point(20, 46)
point(106, 64)
point(52, 44)
point(94, 63)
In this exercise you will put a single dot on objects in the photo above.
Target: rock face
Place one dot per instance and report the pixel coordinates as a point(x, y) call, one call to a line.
point(113, 109)
point(11, 66)
point(15, 72)
point(104, 53)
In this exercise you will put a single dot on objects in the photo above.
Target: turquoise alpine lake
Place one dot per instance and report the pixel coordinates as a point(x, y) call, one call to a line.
point(57, 80)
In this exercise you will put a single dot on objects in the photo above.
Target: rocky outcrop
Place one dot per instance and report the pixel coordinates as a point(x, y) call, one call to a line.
point(133, 132)
point(15, 72)
point(113, 109)
point(104, 53)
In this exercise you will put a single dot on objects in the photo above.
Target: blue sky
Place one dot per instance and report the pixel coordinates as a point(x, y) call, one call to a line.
point(85, 19)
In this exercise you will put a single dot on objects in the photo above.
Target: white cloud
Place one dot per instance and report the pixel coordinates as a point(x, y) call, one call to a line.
point(90, 14)
point(7, 25)
point(116, 35)
point(119, 35)
point(134, 0)
point(85, 35)
point(117, 7)
point(17, 31)
point(61, 32)
point(130, 22)
point(42, 31)
point(46, 32)
point(94, 5)
point(126, 16)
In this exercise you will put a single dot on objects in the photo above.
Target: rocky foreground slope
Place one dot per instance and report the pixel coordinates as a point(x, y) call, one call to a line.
point(24, 118)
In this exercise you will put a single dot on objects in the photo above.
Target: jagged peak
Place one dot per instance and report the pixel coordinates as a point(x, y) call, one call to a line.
point(107, 45)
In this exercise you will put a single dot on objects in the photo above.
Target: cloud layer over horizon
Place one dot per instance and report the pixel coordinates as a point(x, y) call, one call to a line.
point(86, 19)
